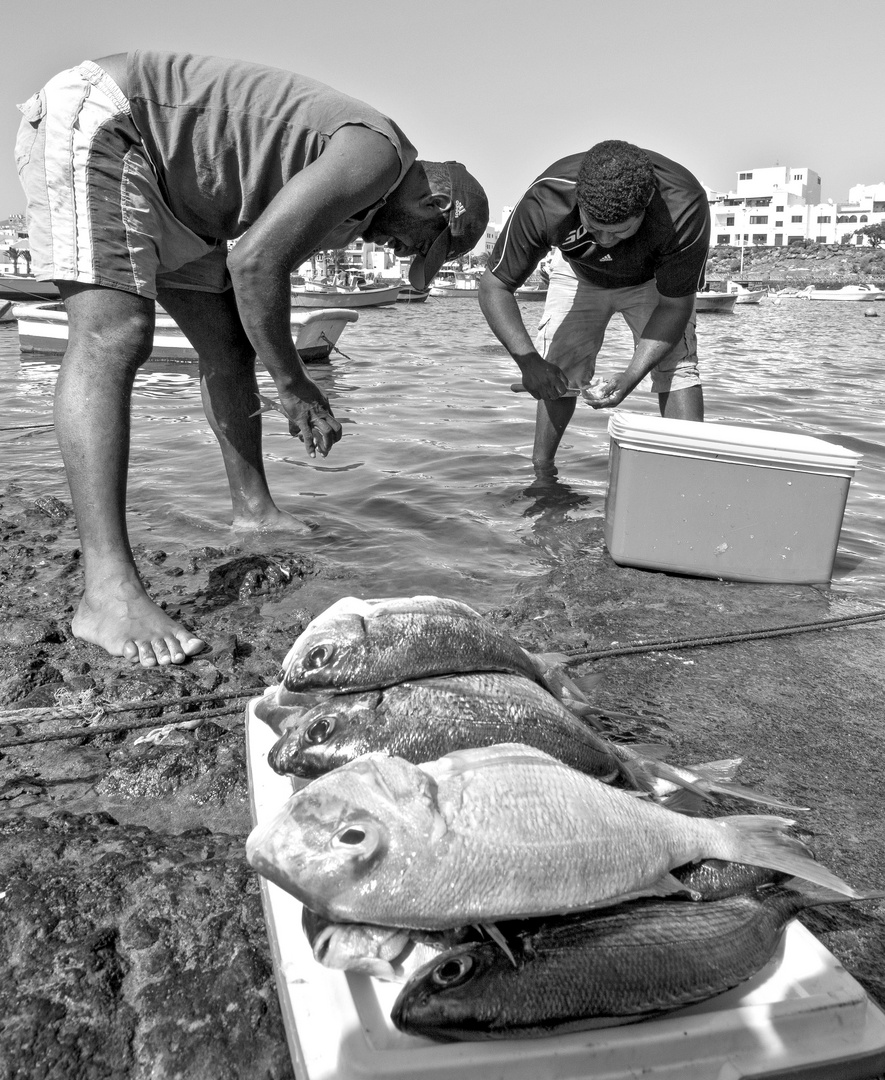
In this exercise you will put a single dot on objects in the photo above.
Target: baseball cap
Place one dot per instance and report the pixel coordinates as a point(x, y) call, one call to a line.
point(468, 217)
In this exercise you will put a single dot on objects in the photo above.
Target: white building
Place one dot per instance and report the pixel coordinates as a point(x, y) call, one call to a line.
point(782, 205)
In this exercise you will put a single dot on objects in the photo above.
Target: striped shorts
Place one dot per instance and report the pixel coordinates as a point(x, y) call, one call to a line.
point(95, 210)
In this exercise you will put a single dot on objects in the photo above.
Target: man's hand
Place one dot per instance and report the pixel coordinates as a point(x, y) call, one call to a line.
point(311, 419)
point(543, 380)
point(611, 393)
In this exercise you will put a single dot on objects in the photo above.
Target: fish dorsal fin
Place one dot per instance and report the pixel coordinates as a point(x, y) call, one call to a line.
point(394, 778)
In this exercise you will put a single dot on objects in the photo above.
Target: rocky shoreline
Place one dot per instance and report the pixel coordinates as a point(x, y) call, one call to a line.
point(798, 265)
point(133, 943)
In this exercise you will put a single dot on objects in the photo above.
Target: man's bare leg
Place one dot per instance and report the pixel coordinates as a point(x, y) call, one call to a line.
point(110, 334)
point(230, 399)
point(687, 404)
point(551, 420)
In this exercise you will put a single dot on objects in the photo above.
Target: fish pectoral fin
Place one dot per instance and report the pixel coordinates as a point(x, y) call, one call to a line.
point(668, 885)
point(495, 934)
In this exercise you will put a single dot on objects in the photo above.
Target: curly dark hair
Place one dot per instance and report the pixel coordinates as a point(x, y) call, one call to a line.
point(615, 181)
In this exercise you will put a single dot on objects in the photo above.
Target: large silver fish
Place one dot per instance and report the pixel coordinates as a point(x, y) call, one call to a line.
point(501, 832)
point(425, 719)
point(365, 644)
point(616, 966)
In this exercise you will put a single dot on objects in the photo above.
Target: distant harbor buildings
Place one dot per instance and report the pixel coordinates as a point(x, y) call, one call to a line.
point(781, 205)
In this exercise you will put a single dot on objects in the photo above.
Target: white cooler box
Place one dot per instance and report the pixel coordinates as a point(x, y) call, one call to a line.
point(724, 501)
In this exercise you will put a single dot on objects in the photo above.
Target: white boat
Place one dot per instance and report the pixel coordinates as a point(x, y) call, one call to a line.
point(710, 302)
point(456, 284)
point(321, 295)
point(743, 294)
point(43, 328)
point(847, 292)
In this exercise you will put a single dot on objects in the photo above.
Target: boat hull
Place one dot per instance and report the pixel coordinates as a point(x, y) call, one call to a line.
point(332, 298)
point(710, 303)
point(848, 293)
point(43, 328)
point(24, 290)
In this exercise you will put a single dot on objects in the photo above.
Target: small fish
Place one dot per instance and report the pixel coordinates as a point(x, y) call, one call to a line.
point(424, 719)
point(494, 833)
point(380, 951)
point(616, 966)
point(367, 644)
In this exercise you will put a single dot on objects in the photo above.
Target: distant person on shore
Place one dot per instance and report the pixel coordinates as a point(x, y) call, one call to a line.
point(631, 233)
point(138, 169)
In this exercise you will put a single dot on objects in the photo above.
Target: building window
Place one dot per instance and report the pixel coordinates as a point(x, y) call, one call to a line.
point(878, 207)
point(797, 176)
point(778, 224)
point(723, 238)
point(760, 238)
point(759, 219)
point(824, 220)
point(795, 239)
point(796, 219)
point(730, 220)
point(779, 209)
point(745, 176)
point(863, 217)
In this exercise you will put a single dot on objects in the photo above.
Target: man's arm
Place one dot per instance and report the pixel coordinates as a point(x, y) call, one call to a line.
point(662, 332)
point(498, 304)
point(357, 167)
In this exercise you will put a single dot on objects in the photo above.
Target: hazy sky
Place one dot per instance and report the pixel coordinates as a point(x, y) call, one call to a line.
point(508, 86)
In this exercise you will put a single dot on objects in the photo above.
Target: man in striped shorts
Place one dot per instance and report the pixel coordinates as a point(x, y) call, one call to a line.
point(138, 169)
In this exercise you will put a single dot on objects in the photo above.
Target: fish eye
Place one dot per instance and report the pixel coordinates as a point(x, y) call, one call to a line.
point(452, 971)
point(319, 655)
point(352, 836)
point(320, 730)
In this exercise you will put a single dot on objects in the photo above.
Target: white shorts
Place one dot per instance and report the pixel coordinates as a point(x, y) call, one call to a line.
point(576, 314)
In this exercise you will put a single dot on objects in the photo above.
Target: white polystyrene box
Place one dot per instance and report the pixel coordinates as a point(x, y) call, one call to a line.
point(802, 1016)
point(724, 500)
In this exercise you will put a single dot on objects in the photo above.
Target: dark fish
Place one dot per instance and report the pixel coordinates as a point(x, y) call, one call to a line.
point(424, 719)
point(615, 966)
point(366, 644)
point(715, 879)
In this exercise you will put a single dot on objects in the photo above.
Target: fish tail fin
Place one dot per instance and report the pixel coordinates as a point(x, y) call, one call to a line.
point(717, 777)
point(817, 895)
point(762, 840)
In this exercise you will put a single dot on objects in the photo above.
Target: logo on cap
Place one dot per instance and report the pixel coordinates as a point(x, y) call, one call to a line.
point(606, 258)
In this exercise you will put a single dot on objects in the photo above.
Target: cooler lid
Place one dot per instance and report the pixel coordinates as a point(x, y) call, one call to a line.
point(734, 442)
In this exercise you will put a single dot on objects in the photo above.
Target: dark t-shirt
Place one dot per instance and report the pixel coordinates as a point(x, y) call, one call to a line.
point(225, 136)
point(671, 245)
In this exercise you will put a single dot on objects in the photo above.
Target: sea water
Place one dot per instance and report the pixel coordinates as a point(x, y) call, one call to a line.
point(431, 489)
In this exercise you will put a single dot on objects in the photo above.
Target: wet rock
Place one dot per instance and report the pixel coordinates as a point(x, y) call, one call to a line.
point(126, 953)
point(51, 507)
point(25, 631)
point(256, 575)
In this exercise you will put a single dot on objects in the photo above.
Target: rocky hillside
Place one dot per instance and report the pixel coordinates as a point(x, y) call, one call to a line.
point(798, 266)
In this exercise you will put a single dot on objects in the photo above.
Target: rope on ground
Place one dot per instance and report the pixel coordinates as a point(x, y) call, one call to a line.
point(723, 639)
point(90, 708)
point(110, 729)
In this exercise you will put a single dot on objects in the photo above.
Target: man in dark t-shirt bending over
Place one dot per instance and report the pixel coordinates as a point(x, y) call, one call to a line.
point(632, 233)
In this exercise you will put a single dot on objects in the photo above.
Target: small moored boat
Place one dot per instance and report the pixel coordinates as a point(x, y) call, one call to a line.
point(847, 292)
point(710, 302)
point(43, 328)
point(343, 296)
point(743, 294)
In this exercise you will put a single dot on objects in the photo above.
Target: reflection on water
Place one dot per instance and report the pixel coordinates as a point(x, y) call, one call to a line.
point(431, 488)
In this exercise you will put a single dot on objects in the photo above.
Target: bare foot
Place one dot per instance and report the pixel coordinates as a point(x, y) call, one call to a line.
point(126, 622)
point(273, 520)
